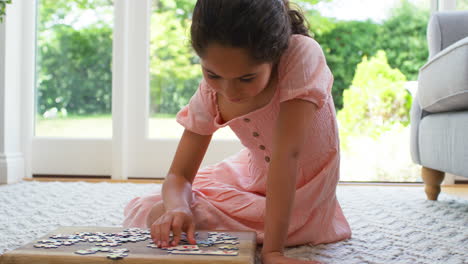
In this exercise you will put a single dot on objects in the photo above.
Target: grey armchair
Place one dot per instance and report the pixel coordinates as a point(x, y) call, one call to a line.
point(439, 114)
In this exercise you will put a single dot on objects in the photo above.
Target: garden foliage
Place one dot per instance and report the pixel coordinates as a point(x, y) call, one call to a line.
point(3, 4)
point(75, 64)
point(376, 101)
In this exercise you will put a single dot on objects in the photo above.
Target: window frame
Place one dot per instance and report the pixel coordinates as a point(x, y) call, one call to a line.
point(130, 152)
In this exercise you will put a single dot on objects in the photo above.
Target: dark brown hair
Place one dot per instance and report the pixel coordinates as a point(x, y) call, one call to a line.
point(263, 27)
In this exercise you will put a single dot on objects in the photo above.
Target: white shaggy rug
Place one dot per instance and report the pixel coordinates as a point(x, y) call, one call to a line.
point(389, 224)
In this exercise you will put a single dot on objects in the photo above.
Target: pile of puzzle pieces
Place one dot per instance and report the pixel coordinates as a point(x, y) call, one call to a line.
point(106, 242)
point(214, 238)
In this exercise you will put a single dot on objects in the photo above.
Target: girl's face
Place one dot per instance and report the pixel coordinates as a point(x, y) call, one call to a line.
point(233, 74)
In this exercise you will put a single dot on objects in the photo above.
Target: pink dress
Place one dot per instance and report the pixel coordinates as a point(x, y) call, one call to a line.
point(230, 195)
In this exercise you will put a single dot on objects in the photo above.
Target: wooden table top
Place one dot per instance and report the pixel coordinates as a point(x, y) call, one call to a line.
point(139, 252)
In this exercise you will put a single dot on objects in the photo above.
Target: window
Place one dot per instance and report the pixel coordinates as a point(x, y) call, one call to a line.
point(158, 73)
point(74, 78)
point(462, 4)
point(174, 69)
point(374, 49)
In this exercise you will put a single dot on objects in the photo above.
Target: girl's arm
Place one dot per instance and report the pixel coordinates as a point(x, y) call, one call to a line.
point(177, 188)
point(288, 143)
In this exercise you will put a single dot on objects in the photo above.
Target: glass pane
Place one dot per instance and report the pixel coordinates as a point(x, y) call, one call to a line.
point(74, 78)
point(374, 49)
point(462, 4)
point(175, 69)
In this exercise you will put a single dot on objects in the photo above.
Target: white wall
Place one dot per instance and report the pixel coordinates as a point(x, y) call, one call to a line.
point(12, 167)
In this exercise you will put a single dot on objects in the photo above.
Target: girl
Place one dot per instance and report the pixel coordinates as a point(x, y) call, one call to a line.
point(269, 81)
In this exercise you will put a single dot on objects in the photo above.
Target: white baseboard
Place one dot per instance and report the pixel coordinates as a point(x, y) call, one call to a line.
point(451, 178)
point(11, 168)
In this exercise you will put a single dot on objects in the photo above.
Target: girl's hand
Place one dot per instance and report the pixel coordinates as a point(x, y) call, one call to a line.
point(177, 220)
point(279, 258)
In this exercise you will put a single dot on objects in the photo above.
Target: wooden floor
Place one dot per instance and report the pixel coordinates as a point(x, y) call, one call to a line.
point(92, 179)
point(460, 190)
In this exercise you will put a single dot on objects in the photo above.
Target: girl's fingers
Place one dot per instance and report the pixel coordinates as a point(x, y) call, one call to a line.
point(177, 225)
point(160, 238)
point(191, 233)
point(165, 229)
point(155, 235)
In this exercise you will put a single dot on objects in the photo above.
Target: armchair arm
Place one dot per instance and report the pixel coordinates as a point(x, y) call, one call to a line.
point(443, 81)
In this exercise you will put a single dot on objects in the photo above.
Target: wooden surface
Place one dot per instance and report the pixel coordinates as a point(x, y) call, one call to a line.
point(432, 179)
point(92, 180)
point(139, 252)
point(459, 189)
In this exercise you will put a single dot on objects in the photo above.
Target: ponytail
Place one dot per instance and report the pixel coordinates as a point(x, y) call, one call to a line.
point(299, 24)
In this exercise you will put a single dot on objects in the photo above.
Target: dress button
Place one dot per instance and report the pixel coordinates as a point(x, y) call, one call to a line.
point(262, 147)
point(255, 134)
point(246, 120)
point(267, 159)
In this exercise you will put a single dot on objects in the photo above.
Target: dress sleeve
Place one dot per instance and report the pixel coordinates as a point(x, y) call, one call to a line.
point(304, 73)
point(199, 115)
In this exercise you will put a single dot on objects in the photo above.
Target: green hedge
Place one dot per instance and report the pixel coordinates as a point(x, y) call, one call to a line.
point(3, 4)
point(74, 70)
point(402, 37)
point(376, 101)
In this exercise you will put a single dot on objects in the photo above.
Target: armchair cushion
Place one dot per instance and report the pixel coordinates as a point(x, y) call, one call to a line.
point(443, 81)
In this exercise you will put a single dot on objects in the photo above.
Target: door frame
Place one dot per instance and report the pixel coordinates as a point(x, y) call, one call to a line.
point(129, 153)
